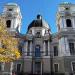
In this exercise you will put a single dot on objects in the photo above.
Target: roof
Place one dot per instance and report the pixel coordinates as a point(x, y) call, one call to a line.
point(39, 22)
point(11, 4)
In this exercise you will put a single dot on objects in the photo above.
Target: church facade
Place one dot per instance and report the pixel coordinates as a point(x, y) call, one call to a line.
point(42, 53)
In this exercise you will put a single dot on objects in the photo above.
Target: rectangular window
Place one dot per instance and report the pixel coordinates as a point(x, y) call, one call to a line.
point(38, 34)
point(18, 67)
point(0, 66)
point(38, 67)
point(55, 51)
point(8, 23)
point(10, 9)
point(71, 47)
point(46, 47)
point(56, 68)
point(37, 51)
point(68, 23)
point(28, 51)
point(73, 66)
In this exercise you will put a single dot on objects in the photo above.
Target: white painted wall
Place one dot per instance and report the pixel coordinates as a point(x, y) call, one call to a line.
point(15, 18)
point(64, 47)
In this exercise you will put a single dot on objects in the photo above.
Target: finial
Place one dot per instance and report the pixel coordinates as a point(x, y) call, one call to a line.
point(39, 16)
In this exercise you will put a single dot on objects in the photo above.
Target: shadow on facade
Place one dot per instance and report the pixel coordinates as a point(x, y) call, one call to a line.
point(22, 73)
point(52, 73)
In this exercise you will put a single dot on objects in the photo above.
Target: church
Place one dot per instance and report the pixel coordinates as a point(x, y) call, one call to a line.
point(42, 53)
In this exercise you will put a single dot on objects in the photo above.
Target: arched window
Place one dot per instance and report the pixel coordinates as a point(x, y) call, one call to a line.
point(37, 51)
point(8, 23)
point(68, 23)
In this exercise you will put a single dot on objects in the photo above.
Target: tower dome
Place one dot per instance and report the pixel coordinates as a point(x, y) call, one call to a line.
point(39, 22)
point(11, 4)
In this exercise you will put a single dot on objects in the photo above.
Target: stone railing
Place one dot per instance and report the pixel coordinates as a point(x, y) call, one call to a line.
point(67, 29)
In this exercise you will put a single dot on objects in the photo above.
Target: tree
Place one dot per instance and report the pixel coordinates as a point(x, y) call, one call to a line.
point(8, 44)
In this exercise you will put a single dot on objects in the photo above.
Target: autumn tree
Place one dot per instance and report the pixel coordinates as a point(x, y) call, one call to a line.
point(8, 44)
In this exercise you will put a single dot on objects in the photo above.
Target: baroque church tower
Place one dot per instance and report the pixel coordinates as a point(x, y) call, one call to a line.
point(66, 29)
point(12, 16)
point(66, 37)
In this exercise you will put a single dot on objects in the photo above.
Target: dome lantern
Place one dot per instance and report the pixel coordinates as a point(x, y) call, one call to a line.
point(39, 17)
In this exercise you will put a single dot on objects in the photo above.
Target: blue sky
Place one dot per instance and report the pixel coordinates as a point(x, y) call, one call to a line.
point(30, 9)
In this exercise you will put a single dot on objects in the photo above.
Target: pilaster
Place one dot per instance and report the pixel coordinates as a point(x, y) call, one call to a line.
point(31, 48)
point(44, 49)
point(49, 48)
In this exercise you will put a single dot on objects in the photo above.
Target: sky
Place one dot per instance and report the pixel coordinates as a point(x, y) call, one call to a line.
point(31, 8)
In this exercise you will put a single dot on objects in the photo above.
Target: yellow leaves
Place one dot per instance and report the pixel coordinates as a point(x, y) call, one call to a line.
point(7, 56)
point(16, 53)
point(1, 50)
point(4, 58)
point(9, 45)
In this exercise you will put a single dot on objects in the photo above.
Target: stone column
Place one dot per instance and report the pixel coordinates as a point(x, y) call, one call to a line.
point(48, 48)
point(41, 68)
point(73, 23)
point(26, 48)
point(2, 67)
point(3, 64)
point(30, 47)
point(44, 49)
point(67, 51)
point(64, 22)
point(61, 47)
point(11, 67)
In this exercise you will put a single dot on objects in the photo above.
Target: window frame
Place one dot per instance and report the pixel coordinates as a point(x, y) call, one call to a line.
point(35, 54)
point(70, 21)
point(54, 67)
point(20, 67)
point(10, 9)
point(72, 52)
point(0, 66)
point(72, 66)
point(54, 51)
point(38, 64)
point(7, 24)
point(38, 34)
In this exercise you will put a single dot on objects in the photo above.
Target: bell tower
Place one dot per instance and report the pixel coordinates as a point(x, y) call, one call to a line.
point(12, 16)
point(65, 16)
point(66, 28)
